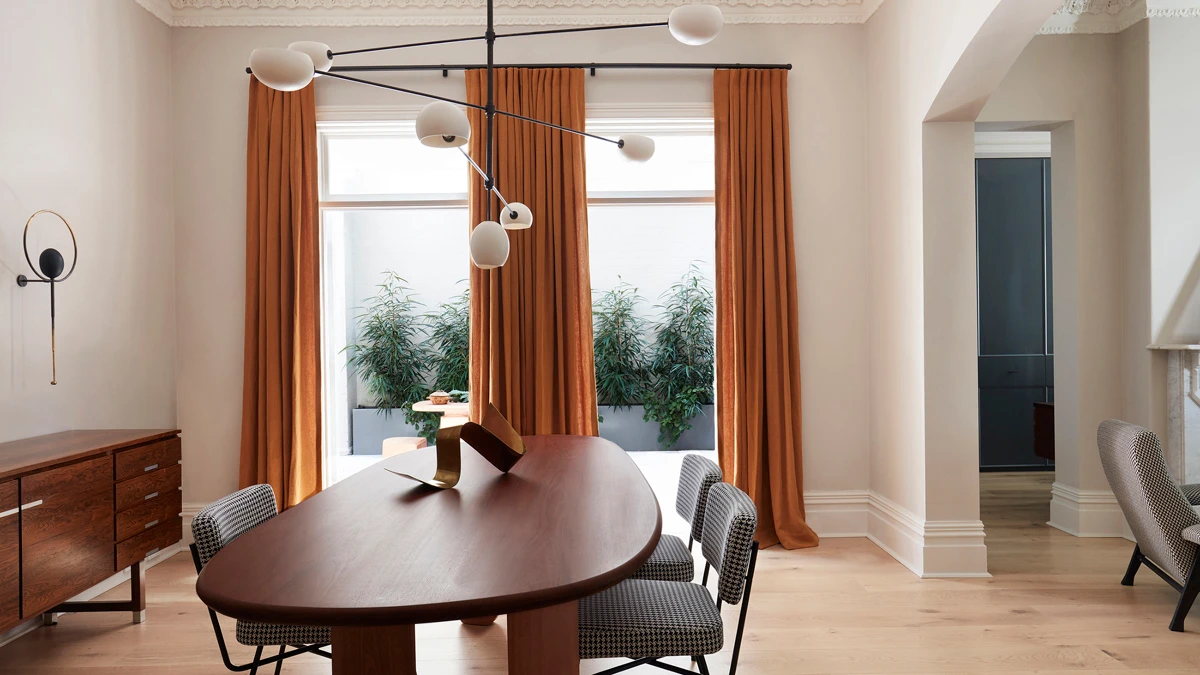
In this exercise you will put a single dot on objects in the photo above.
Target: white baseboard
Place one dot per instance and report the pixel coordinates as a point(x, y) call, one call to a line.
point(837, 513)
point(93, 592)
point(897, 531)
point(931, 549)
point(190, 509)
point(1086, 513)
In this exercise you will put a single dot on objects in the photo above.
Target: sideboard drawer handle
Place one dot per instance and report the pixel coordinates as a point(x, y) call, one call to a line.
point(153, 551)
point(10, 512)
point(150, 524)
point(150, 496)
point(150, 468)
point(30, 505)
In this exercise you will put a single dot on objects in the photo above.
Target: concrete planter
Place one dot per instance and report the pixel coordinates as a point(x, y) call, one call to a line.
point(628, 429)
point(368, 428)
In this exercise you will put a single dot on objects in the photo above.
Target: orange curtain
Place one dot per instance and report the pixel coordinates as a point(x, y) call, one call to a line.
point(758, 349)
point(531, 320)
point(281, 406)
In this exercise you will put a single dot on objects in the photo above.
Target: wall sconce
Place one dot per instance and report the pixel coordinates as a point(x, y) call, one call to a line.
point(50, 266)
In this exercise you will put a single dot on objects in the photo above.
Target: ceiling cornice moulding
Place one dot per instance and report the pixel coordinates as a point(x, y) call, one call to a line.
point(211, 13)
point(1085, 17)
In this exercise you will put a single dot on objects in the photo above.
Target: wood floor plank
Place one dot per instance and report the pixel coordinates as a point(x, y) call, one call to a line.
point(1054, 606)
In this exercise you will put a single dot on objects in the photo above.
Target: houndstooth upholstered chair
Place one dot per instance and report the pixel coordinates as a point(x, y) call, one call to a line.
point(215, 527)
point(646, 619)
point(671, 560)
point(1166, 528)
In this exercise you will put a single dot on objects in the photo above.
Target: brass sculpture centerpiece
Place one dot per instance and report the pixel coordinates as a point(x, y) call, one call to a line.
point(493, 438)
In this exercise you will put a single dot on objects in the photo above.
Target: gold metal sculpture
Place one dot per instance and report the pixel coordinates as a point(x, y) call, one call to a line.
point(495, 439)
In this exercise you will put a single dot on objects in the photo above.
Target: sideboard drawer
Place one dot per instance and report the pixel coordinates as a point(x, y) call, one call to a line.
point(142, 489)
point(143, 460)
point(146, 515)
point(64, 485)
point(149, 542)
point(62, 566)
point(53, 517)
point(10, 556)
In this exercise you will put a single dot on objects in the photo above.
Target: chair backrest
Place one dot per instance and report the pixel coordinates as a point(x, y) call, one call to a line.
point(730, 521)
point(1153, 504)
point(695, 478)
point(228, 518)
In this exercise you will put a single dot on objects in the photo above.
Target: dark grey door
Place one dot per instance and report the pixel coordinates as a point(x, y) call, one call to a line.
point(1016, 338)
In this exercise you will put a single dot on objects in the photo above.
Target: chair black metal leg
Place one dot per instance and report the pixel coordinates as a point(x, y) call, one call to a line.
point(279, 663)
point(704, 579)
point(626, 666)
point(1188, 595)
point(737, 640)
point(1134, 564)
point(257, 656)
point(702, 664)
point(690, 541)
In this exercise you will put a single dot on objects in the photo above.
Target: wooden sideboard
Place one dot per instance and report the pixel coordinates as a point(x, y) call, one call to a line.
point(76, 508)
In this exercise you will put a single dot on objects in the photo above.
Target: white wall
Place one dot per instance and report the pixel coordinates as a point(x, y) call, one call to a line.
point(827, 100)
point(85, 130)
point(1175, 179)
point(1071, 83)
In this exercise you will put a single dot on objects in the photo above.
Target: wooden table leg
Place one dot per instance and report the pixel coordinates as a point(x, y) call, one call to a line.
point(378, 650)
point(544, 641)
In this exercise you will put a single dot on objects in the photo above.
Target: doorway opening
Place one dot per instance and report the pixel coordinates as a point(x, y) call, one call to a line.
point(1015, 283)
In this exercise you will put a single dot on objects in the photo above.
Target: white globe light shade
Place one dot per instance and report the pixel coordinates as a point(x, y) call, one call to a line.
point(281, 69)
point(489, 245)
point(443, 125)
point(695, 24)
point(637, 148)
point(317, 51)
point(522, 221)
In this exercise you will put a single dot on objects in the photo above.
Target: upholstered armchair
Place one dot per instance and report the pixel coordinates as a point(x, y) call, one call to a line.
point(1164, 524)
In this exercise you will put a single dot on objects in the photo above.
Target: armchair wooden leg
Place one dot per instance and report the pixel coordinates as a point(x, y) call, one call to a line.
point(1134, 563)
point(1187, 595)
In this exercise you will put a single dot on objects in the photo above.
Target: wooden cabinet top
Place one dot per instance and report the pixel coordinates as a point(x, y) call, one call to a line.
point(25, 456)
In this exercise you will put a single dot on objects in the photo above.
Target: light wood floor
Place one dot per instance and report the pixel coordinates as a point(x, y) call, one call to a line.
point(1054, 605)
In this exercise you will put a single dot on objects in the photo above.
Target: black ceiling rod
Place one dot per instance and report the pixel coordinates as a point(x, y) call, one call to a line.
point(446, 67)
point(400, 89)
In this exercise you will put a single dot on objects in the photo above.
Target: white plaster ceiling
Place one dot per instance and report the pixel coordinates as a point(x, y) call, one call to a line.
point(470, 12)
point(1114, 16)
point(1075, 16)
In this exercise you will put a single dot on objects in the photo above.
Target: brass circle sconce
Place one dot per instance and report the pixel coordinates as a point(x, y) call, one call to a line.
point(49, 270)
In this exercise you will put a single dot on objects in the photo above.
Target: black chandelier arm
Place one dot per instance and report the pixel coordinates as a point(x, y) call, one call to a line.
point(560, 127)
point(427, 43)
point(584, 29)
point(401, 89)
point(477, 38)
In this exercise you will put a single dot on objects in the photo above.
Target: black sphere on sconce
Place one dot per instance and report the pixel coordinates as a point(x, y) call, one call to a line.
point(49, 271)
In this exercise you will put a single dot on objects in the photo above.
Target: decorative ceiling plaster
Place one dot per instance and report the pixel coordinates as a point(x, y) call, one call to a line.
point(1113, 16)
point(197, 13)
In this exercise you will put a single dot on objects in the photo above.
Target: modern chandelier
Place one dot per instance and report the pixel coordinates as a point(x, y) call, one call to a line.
point(443, 124)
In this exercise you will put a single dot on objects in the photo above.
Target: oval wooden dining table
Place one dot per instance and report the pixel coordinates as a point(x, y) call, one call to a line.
point(376, 554)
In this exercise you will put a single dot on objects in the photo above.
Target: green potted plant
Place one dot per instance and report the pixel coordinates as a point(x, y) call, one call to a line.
point(450, 344)
point(620, 348)
point(681, 363)
point(390, 355)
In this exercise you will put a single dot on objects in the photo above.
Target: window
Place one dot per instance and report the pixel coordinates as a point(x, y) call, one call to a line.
point(388, 205)
point(651, 226)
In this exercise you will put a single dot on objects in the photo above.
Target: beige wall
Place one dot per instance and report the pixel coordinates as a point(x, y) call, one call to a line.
point(827, 99)
point(84, 130)
point(1074, 79)
point(911, 48)
point(1175, 179)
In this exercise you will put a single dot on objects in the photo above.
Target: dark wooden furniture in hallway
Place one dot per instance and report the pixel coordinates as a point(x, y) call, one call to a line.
point(376, 553)
point(76, 508)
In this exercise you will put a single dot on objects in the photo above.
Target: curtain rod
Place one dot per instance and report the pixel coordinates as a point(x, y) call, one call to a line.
point(445, 68)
